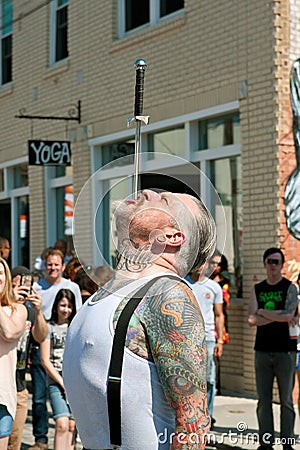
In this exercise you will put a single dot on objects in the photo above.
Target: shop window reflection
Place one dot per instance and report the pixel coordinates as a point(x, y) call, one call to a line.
point(20, 175)
point(226, 177)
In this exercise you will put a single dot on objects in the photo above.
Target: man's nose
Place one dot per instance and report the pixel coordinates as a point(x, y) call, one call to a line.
point(150, 195)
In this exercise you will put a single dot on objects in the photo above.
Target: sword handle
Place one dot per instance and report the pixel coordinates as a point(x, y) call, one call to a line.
point(140, 67)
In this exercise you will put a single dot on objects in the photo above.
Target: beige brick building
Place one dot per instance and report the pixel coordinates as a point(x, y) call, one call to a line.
point(217, 91)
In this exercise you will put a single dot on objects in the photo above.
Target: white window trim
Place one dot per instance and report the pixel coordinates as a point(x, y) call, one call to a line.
point(6, 193)
point(2, 36)
point(168, 123)
point(12, 194)
point(53, 25)
point(188, 120)
point(153, 17)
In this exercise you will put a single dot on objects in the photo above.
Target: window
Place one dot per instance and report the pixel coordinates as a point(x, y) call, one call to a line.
point(59, 31)
point(115, 151)
point(167, 7)
point(6, 41)
point(137, 13)
point(210, 142)
point(225, 174)
point(20, 175)
point(14, 209)
point(59, 204)
point(219, 131)
point(167, 141)
point(64, 212)
point(21, 245)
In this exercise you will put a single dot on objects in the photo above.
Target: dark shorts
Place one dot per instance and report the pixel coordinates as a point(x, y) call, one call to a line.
point(6, 422)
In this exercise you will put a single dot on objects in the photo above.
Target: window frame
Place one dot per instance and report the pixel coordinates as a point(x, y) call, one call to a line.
point(154, 17)
point(13, 194)
point(4, 36)
point(53, 32)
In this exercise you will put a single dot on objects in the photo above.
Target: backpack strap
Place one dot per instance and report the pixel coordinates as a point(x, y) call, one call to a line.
point(116, 361)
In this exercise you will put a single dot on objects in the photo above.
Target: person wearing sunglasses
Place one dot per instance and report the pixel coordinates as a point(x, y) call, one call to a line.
point(272, 309)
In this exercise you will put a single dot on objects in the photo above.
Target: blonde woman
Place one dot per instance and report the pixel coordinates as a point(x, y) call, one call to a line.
point(12, 325)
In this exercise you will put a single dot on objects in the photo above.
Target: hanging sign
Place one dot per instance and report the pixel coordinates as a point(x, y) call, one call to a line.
point(49, 153)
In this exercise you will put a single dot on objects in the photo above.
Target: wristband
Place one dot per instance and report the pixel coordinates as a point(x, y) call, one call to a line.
point(220, 341)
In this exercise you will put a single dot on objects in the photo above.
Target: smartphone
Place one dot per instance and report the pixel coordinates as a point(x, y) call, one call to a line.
point(27, 280)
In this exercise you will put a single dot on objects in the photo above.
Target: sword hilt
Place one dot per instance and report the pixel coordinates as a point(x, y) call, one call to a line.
point(140, 67)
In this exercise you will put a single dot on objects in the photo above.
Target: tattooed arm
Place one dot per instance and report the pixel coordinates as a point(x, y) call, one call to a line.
point(175, 331)
point(286, 314)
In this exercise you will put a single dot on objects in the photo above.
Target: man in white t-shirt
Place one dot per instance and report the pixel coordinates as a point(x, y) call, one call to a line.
point(47, 287)
point(209, 296)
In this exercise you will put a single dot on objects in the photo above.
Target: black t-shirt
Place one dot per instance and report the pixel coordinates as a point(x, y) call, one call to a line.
point(23, 347)
point(273, 337)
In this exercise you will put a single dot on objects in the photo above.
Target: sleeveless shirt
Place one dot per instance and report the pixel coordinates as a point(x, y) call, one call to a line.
point(147, 419)
point(273, 337)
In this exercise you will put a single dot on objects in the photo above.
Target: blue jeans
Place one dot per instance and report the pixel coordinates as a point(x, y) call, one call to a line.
point(210, 375)
point(279, 365)
point(59, 405)
point(39, 398)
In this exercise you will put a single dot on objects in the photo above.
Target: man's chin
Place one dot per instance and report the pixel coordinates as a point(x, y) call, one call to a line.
point(53, 278)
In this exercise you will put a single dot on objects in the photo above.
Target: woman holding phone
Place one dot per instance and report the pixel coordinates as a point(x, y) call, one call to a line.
point(12, 325)
point(36, 327)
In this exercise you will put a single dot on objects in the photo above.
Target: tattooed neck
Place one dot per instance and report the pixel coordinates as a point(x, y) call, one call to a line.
point(135, 257)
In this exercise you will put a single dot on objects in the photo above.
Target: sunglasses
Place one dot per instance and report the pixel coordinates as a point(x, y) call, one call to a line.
point(273, 261)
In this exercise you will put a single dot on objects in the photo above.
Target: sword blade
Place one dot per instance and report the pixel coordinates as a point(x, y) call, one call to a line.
point(136, 158)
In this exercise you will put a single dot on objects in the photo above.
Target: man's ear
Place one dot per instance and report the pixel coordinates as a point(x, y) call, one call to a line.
point(175, 239)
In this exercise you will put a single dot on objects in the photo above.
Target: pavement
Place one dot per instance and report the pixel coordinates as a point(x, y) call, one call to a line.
point(28, 439)
point(235, 427)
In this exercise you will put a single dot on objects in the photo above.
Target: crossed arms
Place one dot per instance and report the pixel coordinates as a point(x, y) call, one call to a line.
point(258, 317)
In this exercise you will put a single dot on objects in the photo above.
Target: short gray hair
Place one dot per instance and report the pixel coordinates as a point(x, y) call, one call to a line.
point(200, 241)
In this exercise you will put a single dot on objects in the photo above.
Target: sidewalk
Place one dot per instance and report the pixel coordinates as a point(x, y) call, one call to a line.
point(236, 423)
point(28, 439)
point(235, 427)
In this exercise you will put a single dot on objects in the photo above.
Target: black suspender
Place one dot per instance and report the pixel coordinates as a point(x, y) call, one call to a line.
point(116, 361)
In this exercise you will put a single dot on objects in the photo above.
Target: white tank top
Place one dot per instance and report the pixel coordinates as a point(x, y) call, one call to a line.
point(147, 420)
